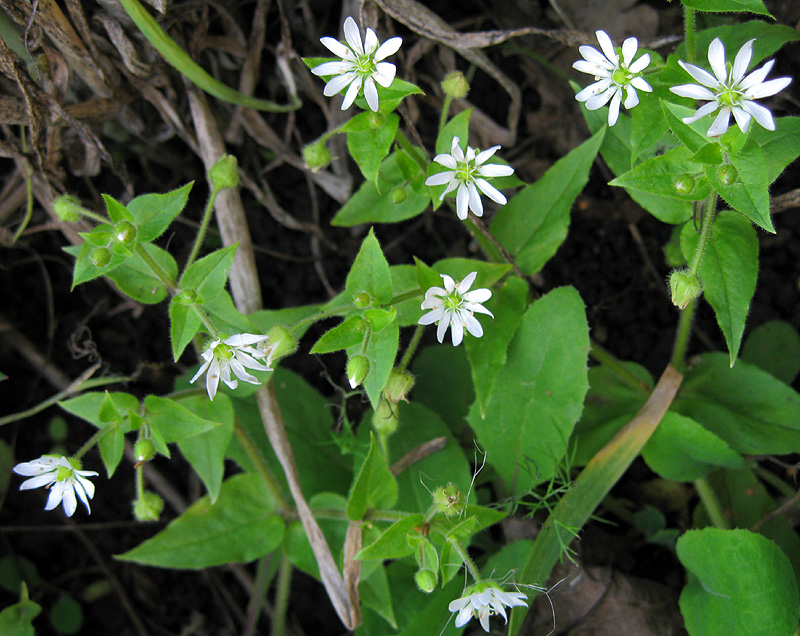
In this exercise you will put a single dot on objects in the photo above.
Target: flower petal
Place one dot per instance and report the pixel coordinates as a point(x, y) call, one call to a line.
point(456, 332)
point(490, 191)
point(336, 84)
point(353, 36)
point(631, 98)
point(720, 124)
point(693, 91)
point(390, 47)
point(352, 93)
point(475, 203)
point(371, 42)
point(613, 108)
point(762, 115)
point(639, 65)
point(337, 48)
point(591, 54)
point(462, 202)
point(767, 89)
point(742, 61)
point(440, 178)
point(332, 68)
point(495, 170)
point(629, 48)
point(640, 84)
point(384, 73)
point(716, 57)
point(483, 156)
point(699, 74)
point(371, 94)
point(608, 47)
point(742, 118)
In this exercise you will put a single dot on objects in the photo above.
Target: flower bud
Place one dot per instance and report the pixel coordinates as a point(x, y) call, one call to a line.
point(144, 450)
point(727, 174)
point(225, 173)
point(316, 156)
point(125, 232)
point(398, 385)
point(100, 257)
point(362, 299)
point(455, 85)
point(279, 343)
point(684, 287)
point(186, 298)
point(426, 580)
point(398, 195)
point(148, 506)
point(684, 183)
point(67, 208)
point(449, 500)
point(385, 420)
point(357, 369)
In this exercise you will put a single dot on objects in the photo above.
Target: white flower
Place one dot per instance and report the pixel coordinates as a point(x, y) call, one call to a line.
point(453, 306)
point(232, 354)
point(729, 90)
point(468, 173)
point(63, 477)
point(361, 65)
point(483, 600)
point(612, 75)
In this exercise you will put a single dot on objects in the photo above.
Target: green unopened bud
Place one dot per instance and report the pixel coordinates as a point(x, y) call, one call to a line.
point(362, 299)
point(684, 287)
point(455, 85)
point(144, 450)
point(279, 343)
point(100, 257)
point(67, 208)
point(398, 195)
point(225, 173)
point(385, 420)
point(357, 370)
point(426, 580)
point(377, 120)
point(449, 500)
point(727, 174)
point(148, 506)
point(398, 385)
point(186, 298)
point(125, 232)
point(684, 183)
point(316, 156)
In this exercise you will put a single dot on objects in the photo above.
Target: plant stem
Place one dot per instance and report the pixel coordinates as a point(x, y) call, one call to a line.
point(212, 330)
point(155, 267)
point(201, 233)
point(445, 111)
point(28, 176)
point(282, 585)
point(466, 558)
point(682, 335)
point(93, 440)
point(613, 364)
point(405, 144)
point(710, 502)
point(709, 210)
point(688, 29)
point(412, 347)
point(257, 595)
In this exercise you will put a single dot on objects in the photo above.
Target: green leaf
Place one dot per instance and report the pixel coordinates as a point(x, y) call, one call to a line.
point(17, 619)
point(135, 278)
point(116, 211)
point(184, 323)
point(658, 175)
point(153, 213)
point(693, 135)
point(380, 318)
point(709, 154)
point(443, 384)
point(745, 406)
point(720, 6)
point(375, 594)
point(381, 352)
point(85, 270)
point(370, 272)
point(680, 449)
point(487, 355)
point(347, 334)
point(66, 615)
point(739, 583)
point(372, 203)
point(728, 272)
point(241, 526)
point(780, 145)
point(534, 223)
point(374, 487)
point(458, 126)
point(774, 347)
point(750, 193)
point(393, 543)
point(539, 393)
point(207, 276)
point(369, 145)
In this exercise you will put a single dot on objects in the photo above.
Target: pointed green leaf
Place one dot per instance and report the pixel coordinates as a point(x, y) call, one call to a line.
point(774, 347)
point(347, 334)
point(659, 175)
point(116, 211)
point(780, 145)
point(739, 583)
point(369, 145)
point(534, 223)
point(381, 352)
point(393, 543)
point(240, 527)
point(207, 276)
point(17, 619)
point(458, 126)
point(374, 487)
point(728, 272)
point(692, 135)
point(153, 213)
point(135, 278)
point(370, 272)
point(184, 323)
point(539, 393)
point(720, 6)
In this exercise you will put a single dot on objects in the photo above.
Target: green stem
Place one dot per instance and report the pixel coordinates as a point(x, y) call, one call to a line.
point(201, 233)
point(688, 29)
point(139, 483)
point(445, 111)
point(28, 193)
point(682, 335)
point(282, 585)
point(179, 59)
point(709, 210)
point(406, 145)
point(260, 585)
point(412, 347)
point(466, 558)
point(155, 267)
point(262, 468)
point(93, 440)
point(212, 330)
point(75, 387)
point(610, 362)
point(710, 502)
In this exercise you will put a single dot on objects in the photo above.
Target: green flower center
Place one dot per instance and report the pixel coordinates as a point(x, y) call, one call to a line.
point(465, 172)
point(63, 473)
point(621, 76)
point(223, 351)
point(729, 96)
point(453, 301)
point(365, 65)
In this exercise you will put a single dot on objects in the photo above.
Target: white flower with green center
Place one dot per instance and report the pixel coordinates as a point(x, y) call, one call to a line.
point(361, 65)
point(729, 90)
point(482, 600)
point(453, 306)
point(64, 478)
point(614, 75)
point(468, 172)
point(236, 354)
